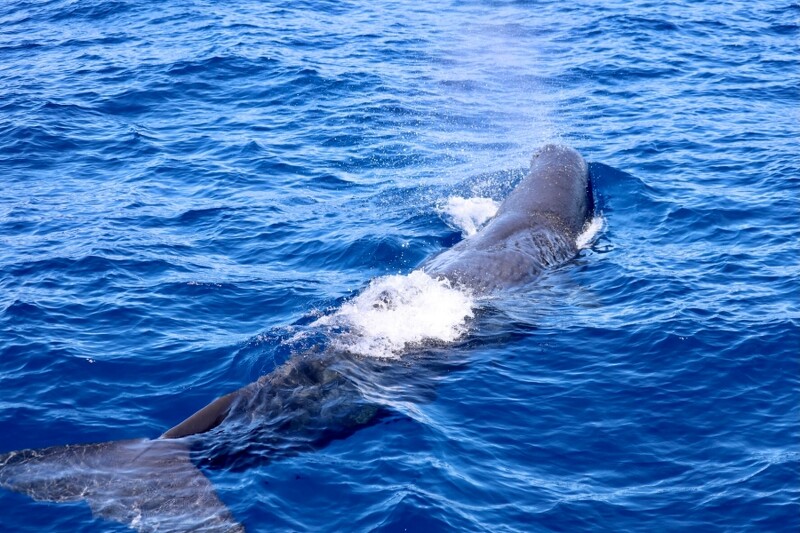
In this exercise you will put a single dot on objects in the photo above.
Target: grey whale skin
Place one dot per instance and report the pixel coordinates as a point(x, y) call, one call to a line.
point(535, 227)
point(154, 484)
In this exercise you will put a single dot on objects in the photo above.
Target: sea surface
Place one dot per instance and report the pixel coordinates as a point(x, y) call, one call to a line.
point(192, 192)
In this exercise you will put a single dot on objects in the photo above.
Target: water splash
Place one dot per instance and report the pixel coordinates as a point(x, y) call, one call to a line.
point(590, 232)
point(468, 214)
point(397, 312)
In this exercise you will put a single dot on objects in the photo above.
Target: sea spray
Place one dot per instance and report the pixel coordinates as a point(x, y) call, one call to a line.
point(590, 232)
point(468, 214)
point(396, 312)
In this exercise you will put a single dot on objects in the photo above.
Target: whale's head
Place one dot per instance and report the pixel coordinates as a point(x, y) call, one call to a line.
point(557, 186)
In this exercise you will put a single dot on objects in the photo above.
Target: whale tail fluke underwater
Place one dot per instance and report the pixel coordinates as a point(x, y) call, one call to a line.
point(313, 398)
point(151, 485)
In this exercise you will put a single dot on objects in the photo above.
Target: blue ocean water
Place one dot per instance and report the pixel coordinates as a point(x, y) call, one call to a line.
point(187, 183)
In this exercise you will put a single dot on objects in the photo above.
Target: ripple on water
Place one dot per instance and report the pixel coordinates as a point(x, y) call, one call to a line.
point(188, 190)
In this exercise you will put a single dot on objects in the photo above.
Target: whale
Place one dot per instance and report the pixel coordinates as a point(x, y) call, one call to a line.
point(535, 227)
point(315, 397)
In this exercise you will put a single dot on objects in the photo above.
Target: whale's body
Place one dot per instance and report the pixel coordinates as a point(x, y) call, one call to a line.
point(535, 227)
point(153, 485)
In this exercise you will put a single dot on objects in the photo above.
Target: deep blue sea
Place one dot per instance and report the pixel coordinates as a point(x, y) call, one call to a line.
point(190, 187)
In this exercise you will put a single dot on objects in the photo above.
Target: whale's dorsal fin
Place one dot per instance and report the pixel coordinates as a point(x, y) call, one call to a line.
point(203, 420)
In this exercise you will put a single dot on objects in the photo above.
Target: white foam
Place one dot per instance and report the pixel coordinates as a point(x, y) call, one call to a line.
point(396, 312)
point(589, 233)
point(468, 214)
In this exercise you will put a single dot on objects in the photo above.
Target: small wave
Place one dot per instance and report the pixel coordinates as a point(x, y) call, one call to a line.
point(396, 312)
point(589, 233)
point(468, 214)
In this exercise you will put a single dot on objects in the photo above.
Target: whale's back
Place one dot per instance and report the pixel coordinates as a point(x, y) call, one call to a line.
point(557, 186)
point(535, 227)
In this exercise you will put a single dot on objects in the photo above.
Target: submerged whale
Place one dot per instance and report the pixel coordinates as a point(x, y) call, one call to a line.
point(156, 485)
